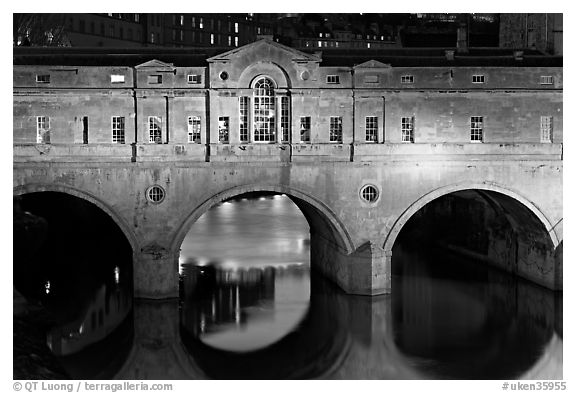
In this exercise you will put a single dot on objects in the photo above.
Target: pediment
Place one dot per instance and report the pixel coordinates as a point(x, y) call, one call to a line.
point(372, 64)
point(263, 47)
point(156, 64)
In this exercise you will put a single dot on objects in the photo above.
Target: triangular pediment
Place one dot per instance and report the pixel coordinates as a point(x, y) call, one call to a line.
point(372, 64)
point(156, 64)
point(265, 45)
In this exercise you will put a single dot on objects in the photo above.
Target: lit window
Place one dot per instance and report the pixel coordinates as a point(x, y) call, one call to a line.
point(319, 44)
point(372, 129)
point(546, 129)
point(155, 129)
point(369, 193)
point(258, 31)
point(320, 35)
point(546, 80)
point(336, 129)
point(117, 78)
point(194, 78)
point(407, 79)
point(45, 78)
point(332, 79)
point(407, 129)
point(229, 40)
point(305, 129)
point(285, 118)
point(223, 129)
point(476, 129)
point(235, 41)
point(368, 45)
point(235, 27)
point(193, 129)
point(118, 129)
point(264, 110)
point(244, 108)
point(201, 23)
point(154, 79)
point(477, 78)
point(211, 39)
point(181, 20)
point(42, 129)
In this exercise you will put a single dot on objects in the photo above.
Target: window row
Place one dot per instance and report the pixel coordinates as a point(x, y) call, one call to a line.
point(330, 79)
point(409, 79)
point(264, 130)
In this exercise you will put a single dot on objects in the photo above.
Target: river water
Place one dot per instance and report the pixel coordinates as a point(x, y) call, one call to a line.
point(250, 308)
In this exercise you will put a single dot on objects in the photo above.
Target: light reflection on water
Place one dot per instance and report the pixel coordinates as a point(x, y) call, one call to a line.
point(245, 273)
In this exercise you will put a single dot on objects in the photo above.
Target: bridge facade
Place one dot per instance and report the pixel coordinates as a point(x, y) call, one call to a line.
point(359, 149)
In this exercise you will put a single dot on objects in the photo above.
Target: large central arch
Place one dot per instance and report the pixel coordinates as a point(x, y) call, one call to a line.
point(319, 216)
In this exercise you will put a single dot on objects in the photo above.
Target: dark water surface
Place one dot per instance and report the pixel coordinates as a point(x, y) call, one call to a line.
point(251, 309)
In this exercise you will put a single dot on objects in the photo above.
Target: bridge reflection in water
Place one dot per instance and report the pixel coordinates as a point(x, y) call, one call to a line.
point(446, 319)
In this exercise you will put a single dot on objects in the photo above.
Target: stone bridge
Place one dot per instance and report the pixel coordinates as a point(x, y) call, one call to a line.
point(352, 231)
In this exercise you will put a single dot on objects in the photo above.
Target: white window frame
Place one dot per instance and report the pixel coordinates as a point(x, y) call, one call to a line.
point(194, 78)
point(42, 129)
point(546, 129)
point(407, 127)
point(546, 80)
point(224, 129)
point(194, 129)
point(335, 135)
point(305, 125)
point(155, 129)
point(285, 118)
point(264, 111)
point(371, 129)
point(43, 78)
point(117, 78)
point(479, 78)
point(154, 79)
point(244, 119)
point(407, 79)
point(333, 79)
point(118, 129)
point(477, 129)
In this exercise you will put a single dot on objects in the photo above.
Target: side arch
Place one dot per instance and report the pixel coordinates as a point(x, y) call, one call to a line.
point(488, 186)
point(301, 199)
point(122, 224)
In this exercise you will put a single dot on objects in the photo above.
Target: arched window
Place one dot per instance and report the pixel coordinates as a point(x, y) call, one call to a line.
point(264, 111)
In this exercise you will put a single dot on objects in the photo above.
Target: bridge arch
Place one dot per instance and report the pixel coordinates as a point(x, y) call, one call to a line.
point(65, 189)
point(487, 186)
point(319, 216)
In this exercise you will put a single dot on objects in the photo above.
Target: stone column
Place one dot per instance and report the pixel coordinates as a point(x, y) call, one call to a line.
point(156, 273)
point(157, 351)
point(366, 271)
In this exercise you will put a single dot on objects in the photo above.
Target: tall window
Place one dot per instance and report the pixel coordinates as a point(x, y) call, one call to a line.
point(305, 129)
point(42, 129)
point(193, 129)
point(476, 129)
point(336, 129)
point(244, 119)
point(223, 129)
point(407, 129)
point(118, 129)
point(546, 129)
point(155, 129)
point(372, 129)
point(285, 118)
point(264, 109)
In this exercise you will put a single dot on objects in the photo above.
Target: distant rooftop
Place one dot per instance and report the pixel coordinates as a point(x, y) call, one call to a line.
point(196, 57)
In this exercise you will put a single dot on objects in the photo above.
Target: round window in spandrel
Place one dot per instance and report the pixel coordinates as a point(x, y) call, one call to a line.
point(369, 193)
point(155, 194)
